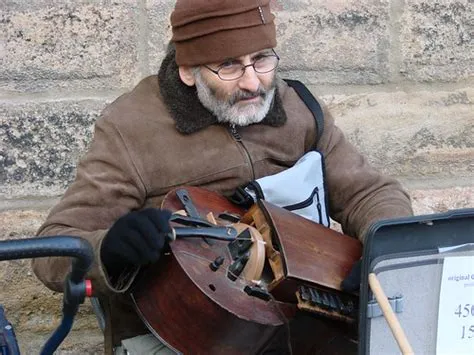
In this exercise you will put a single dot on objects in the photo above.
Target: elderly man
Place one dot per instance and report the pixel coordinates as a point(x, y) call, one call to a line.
point(217, 115)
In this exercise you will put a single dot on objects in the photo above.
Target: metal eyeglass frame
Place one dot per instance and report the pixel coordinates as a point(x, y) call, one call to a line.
point(244, 68)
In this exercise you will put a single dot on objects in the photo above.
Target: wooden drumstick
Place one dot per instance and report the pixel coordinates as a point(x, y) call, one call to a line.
point(389, 315)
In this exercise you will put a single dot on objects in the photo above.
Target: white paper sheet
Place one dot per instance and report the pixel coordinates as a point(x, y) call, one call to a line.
point(456, 307)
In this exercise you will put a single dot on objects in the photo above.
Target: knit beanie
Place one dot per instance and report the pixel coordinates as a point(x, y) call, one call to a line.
point(209, 31)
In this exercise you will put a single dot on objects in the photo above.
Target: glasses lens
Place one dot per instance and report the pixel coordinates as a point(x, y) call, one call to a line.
point(262, 65)
point(266, 64)
point(231, 72)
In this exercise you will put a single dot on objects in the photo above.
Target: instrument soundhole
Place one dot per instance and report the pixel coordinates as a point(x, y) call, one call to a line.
point(212, 287)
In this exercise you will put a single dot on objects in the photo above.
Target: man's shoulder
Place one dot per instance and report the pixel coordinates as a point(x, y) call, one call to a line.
point(297, 100)
point(146, 92)
point(315, 109)
point(295, 89)
point(140, 105)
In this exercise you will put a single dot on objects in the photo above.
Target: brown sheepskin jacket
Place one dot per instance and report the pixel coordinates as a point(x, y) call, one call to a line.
point(158, 137)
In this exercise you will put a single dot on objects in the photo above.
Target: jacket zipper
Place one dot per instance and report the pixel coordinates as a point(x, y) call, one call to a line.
point(308, 202)
point(238, 138)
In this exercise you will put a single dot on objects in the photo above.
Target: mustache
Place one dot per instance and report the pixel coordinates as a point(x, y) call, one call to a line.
point(245, 94)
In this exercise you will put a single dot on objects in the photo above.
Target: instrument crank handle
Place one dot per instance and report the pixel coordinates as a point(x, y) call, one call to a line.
point(220, 233)
point(190, 221)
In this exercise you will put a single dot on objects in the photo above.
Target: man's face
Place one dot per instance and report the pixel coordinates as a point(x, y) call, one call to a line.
point(243, 101)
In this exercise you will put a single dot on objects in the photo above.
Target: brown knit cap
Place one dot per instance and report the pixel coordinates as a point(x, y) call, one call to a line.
point(209, 31)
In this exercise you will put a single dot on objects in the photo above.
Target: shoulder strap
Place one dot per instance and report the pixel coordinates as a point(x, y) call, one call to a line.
point(311, 102)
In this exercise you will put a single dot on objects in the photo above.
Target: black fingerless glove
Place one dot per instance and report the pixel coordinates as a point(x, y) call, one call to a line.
point(135, 239)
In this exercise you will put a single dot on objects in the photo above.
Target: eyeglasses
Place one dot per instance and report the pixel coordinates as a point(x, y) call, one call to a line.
point(233, 70)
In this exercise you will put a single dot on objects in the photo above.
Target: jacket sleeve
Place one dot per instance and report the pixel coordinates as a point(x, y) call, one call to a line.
point(358, 194)
point(106, 187)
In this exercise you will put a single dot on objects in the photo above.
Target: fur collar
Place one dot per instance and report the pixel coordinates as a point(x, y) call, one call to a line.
point(186, 109)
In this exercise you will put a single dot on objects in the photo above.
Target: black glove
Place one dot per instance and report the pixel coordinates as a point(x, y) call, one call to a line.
point(135, 239)
point(352, 282)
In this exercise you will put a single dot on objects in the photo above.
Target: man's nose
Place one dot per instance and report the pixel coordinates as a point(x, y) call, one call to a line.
point(250, 80)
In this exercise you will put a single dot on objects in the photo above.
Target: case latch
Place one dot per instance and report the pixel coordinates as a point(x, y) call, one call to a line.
point(373, 308)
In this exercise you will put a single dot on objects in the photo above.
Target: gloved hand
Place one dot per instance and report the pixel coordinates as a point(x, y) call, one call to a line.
point(352, 282)
point(135, 239)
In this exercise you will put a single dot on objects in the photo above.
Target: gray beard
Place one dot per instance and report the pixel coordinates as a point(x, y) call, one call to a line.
point(228, 111)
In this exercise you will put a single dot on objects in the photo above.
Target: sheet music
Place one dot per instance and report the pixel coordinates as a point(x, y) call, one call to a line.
point(456, 307)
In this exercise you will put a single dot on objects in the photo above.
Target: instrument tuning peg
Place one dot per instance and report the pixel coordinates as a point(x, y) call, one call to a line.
point(216, 264)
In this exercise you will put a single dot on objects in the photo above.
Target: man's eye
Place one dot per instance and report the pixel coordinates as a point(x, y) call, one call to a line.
point(228, 64)
point(260, 56)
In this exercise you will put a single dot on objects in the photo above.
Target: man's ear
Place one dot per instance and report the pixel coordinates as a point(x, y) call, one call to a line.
point(186, 75)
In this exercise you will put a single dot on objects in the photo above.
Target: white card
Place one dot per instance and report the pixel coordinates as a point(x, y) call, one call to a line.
point(456, 307)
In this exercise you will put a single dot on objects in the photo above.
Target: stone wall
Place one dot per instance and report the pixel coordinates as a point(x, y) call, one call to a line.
point(397, 74)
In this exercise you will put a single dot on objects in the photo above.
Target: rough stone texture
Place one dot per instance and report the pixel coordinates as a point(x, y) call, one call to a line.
point(159, 31)
point(335, 42)
point(438, 40)
point(68, 44)
point(35, 311)
point(422, 135)
point(41, 143)
point(438, 201)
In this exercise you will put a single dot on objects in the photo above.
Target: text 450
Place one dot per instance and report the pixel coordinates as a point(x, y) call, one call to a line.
point(463, 311)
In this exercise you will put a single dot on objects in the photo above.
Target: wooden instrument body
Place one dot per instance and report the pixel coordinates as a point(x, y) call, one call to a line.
point(304, 253)
point(194, 309)
point(186, 319)
point(311, 253)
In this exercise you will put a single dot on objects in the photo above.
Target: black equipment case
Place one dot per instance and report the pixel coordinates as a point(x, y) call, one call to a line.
point(406, 256)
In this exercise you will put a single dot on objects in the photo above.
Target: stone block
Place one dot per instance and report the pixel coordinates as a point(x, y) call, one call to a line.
point(442, 200)
point(68, 44)
point(159, 12)
point(415, 135)
point(437, 40)
point(40, 144)
point(334, 42)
